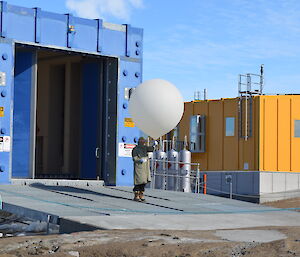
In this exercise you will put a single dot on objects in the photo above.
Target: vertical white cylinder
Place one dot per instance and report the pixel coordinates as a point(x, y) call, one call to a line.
point(161, 158)
point(173, 170)
point(185, 170)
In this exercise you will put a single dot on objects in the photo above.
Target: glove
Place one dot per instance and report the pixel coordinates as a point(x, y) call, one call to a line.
point(142, 160)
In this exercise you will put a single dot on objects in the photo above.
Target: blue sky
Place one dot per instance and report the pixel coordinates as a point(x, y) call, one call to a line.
point(199, 44)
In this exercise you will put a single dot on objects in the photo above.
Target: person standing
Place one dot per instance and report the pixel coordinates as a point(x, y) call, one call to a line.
point(141, 163)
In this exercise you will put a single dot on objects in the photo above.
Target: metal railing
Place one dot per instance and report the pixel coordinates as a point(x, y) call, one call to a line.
point(168, 144)
point(192, 176)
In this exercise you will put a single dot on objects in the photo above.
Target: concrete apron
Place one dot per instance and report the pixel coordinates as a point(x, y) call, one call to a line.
point(82, 208)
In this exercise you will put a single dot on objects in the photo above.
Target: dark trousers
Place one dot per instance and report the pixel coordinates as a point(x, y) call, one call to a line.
point(139, 188)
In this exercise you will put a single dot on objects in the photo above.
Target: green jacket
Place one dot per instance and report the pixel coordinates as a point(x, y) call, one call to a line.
point(141, 170)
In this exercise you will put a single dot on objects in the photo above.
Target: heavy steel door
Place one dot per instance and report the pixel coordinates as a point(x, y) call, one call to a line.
point(24, 114)
point(90, 123)
point(99, 119)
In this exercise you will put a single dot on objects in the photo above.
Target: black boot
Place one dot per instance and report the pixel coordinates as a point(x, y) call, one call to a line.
point(142, 197)
point(136, 196)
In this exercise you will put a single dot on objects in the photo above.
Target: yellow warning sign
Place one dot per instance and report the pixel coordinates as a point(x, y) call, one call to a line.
point(1, 111)
point(128, 122)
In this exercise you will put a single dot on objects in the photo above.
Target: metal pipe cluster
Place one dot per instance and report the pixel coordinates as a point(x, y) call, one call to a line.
point(172, 170)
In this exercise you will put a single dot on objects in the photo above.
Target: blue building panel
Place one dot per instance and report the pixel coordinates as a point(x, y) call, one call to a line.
point(35, 27)
point(136, 45)
point(130, 77)
point(84, 35)
point(14, 20)
point(23, 83)
point(6, 94)
point(53, 29)
point(113, 42)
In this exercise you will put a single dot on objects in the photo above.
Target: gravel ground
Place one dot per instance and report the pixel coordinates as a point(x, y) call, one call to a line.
point(134, 243)
point(288, 203)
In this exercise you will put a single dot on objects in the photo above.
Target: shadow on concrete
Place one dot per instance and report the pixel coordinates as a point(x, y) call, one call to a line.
point(67, 191)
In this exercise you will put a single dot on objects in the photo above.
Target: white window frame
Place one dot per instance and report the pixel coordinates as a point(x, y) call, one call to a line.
point(198, 145)
point(229, 133)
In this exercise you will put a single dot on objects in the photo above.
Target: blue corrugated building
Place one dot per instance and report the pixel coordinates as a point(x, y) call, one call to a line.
point(64, 88)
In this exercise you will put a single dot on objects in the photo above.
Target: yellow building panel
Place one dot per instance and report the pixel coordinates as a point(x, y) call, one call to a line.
point(295, 141)
point(278, 148)
point(231, 143)
point(260, 132)
point(214, 128)
point(184, 125)
point(223, 152)
point(284, 134)
point(270, 134)
point(256, 129)
point(248, 147)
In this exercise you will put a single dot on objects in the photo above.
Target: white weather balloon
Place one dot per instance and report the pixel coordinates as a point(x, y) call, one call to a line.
point(156, 107)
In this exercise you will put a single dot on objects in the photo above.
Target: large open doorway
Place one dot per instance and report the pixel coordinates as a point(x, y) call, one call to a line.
point(64, 120)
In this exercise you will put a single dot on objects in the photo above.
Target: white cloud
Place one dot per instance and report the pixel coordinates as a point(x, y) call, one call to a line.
point(93, 9)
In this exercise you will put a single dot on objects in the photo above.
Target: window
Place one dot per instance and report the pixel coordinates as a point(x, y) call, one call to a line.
point(229, 126)
point(297, 128)
point(197, 133)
